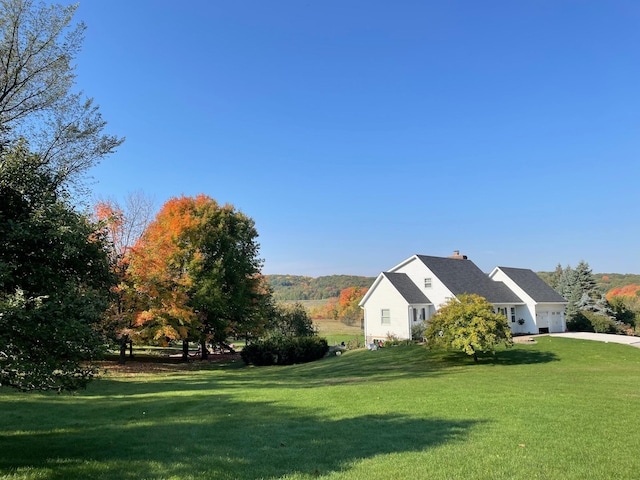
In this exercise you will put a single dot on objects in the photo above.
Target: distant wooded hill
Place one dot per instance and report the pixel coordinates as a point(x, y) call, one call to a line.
point(296, 287)
point(606, 281)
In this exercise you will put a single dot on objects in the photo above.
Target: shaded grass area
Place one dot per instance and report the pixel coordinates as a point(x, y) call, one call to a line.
point(561, 408)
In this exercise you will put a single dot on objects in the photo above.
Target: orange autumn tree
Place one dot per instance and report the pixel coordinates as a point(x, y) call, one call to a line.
point(631, 291)
point(344, 308)
point(197, 266)
point(349, 310)
point(625, 302)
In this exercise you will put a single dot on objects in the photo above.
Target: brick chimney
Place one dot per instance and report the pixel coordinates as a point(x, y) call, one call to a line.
point(457, 256)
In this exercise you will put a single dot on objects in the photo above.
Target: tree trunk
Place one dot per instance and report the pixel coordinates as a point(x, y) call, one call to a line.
point(185, 350)
point(228, 347)
point(204, 353)
point(475, 357)
point(123, 351)
point(130, 348)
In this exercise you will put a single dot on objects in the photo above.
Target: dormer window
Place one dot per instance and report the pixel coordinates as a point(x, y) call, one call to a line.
point(427, 282)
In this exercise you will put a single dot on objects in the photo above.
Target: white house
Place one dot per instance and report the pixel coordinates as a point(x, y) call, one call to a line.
point(413, 290)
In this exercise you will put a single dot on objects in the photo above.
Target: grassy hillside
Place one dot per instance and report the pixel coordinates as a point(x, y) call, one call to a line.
point(557, 409)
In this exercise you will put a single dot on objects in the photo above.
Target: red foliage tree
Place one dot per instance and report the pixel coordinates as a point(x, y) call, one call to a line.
point(631, 291)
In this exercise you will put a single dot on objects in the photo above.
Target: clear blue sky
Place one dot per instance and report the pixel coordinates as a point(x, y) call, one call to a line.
point(358, 133)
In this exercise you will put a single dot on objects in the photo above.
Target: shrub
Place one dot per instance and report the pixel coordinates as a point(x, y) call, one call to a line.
point(585, 321)
point(579, 323)
point(396, 342)
point(600, 323)
point(284, 351)
point(417, 331)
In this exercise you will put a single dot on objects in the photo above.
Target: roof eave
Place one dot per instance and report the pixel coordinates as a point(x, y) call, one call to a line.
point(403, 263)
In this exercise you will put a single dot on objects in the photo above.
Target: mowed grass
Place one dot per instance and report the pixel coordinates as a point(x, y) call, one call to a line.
point(557, 409)
point(336, 332)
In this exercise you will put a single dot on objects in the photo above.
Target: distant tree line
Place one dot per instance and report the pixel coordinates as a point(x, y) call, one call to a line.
point(604, 281)
point(297, 287)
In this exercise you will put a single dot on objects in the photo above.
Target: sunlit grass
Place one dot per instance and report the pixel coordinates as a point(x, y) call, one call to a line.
point(336, 331)
point(557, 409)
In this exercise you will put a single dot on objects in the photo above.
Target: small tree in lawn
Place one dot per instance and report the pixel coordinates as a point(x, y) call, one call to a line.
point(292, 320)
point(468, 324)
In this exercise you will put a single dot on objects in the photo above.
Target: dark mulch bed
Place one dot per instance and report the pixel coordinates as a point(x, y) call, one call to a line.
point(161, 364)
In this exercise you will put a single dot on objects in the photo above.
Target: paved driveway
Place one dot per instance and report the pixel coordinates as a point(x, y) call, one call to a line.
point(601, 337)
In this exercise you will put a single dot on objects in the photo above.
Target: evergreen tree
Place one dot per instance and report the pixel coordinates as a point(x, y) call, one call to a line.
point(580, 289)
point(554, 279)
point(585, 283)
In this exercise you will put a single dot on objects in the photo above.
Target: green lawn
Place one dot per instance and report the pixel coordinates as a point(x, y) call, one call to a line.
point(558, 409)
point(335, 331)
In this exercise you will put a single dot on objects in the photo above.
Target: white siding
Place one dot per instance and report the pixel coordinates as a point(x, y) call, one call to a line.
point(386, 297)
point(535, 315)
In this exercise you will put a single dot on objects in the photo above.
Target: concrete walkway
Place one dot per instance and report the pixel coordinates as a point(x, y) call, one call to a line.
point(600, 337)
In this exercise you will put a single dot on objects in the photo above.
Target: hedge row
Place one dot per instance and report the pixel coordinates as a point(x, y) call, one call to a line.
point(284, 351)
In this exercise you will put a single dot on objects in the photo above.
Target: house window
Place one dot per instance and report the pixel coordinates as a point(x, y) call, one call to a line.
point(415, 314)
point(427, 283)
point(513, 314)
point(386, 316)
point(423, 314)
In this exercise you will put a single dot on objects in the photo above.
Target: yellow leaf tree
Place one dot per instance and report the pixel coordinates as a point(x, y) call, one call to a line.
point(468, 324)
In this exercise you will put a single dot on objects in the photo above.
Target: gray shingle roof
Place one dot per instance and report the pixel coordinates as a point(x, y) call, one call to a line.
point(463, 276)
point(531, 283)
point(409, 290)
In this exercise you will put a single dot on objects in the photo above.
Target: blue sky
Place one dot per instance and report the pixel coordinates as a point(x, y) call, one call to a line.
point(358, 133)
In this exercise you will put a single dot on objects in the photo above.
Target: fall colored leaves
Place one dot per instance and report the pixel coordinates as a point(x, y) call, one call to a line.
point(345, 308)
point(192, 274)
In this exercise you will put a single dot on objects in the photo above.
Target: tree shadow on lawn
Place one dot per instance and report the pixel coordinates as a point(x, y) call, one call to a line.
point(384, 365)
point(519, 356)
point(224, 439)
point(392, 363)
point(353, 367)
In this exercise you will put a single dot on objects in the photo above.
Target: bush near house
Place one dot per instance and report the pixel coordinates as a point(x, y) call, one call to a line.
point(586, 321)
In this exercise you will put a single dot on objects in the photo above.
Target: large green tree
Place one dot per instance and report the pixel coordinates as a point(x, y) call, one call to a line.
point(468, 324)
point(54, 280)
point(198, 265)
point(38, 45)
point(229, 291)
